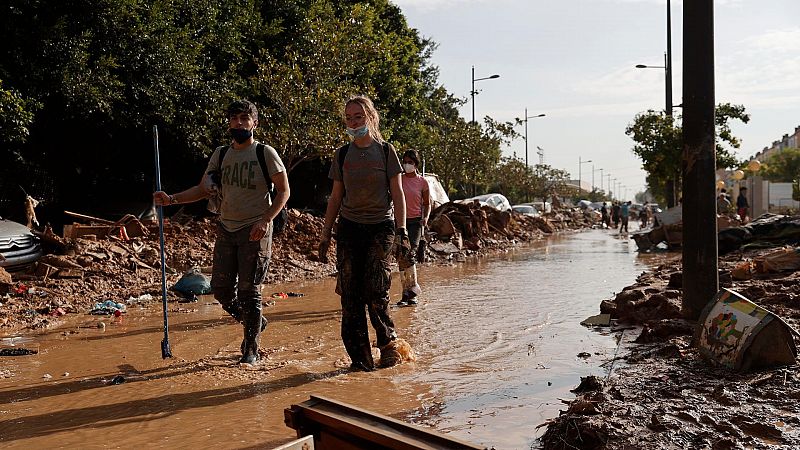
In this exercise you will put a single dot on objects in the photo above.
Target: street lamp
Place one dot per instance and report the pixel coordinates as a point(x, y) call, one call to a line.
point(667, 62)
point(601, 176)
point(526, 130)
point(580, 166)
point(473, 92)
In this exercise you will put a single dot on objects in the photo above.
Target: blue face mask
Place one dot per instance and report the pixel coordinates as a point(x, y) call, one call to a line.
point(358, 132)
point(241, 135)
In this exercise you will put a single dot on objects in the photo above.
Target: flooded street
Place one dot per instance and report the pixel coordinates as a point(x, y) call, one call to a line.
point(497, 342)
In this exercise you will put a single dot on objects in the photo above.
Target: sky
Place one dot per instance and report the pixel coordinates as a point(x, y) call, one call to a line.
point(574, 61)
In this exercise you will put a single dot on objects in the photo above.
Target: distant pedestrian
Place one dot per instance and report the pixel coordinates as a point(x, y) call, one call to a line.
point(615, 212)
point(723, 204)
point(624, 212)
point(742, 205)
point(644, 215)
point(604, 215)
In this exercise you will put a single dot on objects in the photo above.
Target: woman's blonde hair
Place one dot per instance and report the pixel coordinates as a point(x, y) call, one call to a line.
point(373, 119)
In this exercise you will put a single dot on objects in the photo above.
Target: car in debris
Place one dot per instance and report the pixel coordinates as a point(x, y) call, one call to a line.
point(528, 210)
point(541, 206)
point(19, 248)
point(497, 201)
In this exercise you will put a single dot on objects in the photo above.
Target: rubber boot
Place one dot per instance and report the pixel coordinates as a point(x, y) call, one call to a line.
point(263, 327)
point(252, 329)
point(411, 287)
point(235, 310)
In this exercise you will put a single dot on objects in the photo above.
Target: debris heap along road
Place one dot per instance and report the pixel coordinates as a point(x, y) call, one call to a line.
point(660, 393)
point(120, 261)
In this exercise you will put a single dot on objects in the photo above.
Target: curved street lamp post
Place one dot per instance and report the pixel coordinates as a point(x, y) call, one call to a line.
point(473, 91)
point(526, 132)
point(580, 166)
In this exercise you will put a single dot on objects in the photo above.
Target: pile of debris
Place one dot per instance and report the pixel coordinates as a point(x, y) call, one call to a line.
point(707, 405)
point(667, 230)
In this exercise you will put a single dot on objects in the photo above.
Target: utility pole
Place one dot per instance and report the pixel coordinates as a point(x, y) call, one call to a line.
point(700, 276)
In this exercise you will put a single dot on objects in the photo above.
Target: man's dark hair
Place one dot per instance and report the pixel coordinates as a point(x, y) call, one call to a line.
point(412, 155)
point(742, 189)
point(242, 106)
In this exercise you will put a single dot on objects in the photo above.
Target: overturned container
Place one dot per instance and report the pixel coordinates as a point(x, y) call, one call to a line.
point(737, 333)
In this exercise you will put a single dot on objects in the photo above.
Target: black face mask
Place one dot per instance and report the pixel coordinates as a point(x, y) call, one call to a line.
point(241, 135)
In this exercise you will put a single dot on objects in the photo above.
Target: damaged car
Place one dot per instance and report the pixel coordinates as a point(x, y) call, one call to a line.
point(18, 246)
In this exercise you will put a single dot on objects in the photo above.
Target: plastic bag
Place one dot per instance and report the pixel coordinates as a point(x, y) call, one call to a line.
point(193, 283)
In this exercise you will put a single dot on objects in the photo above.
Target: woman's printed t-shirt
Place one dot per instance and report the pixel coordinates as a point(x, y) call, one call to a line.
point(413, 187)
point(245, 193)
point(365, 174)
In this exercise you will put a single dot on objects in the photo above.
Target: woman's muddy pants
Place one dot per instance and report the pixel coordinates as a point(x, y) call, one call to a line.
point(240, 266)
point(362, 259)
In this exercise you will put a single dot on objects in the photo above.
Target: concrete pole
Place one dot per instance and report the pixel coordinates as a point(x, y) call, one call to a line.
point(700, 276)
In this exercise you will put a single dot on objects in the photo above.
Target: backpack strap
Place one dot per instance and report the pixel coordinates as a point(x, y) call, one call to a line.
point(342, 153)
point(262, 161)
point(222, 151)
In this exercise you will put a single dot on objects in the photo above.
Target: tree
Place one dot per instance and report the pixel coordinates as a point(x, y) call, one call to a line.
point(659, 144)
point(16, 115)
point(782, 167)
point(548, 181)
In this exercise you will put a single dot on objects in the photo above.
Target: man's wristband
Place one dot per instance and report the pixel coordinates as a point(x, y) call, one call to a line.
point(172, 200)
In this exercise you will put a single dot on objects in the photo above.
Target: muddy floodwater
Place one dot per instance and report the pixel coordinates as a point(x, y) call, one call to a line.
point(498, 342)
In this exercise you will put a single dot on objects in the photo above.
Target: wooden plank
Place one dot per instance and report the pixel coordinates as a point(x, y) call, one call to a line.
point(304, 443)
point(363, 429)
point(85, 217)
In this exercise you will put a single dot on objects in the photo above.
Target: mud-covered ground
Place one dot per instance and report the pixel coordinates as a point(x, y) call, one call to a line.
point(76, 274)
point(660, 393)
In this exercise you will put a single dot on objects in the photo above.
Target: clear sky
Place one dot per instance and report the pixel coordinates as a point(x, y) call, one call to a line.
point(573, 60)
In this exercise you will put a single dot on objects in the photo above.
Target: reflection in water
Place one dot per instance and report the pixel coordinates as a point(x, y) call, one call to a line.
point(496, 340)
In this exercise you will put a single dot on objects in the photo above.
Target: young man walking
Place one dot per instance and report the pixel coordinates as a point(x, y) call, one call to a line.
point(243, 245)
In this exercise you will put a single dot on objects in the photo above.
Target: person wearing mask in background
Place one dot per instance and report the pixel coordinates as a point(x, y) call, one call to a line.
point(615, 214)
point(243, 245)
point(418, 208)
point(742, 205)
point(367, 197)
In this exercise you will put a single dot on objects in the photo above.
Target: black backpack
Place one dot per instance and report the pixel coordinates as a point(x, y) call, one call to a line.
point(279, 222)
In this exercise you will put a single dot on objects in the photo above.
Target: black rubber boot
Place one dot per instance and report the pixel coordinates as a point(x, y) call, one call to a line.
point(252, 329)
point(234, 309)
point(263, 327)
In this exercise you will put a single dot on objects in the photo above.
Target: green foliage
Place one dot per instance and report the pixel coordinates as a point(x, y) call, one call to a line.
point(658, 142)
point(16, 115)
point(85, 81)
point(782, 167)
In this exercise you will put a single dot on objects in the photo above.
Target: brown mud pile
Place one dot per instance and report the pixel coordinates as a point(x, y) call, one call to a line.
point(659, 392)
point(82, 271)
